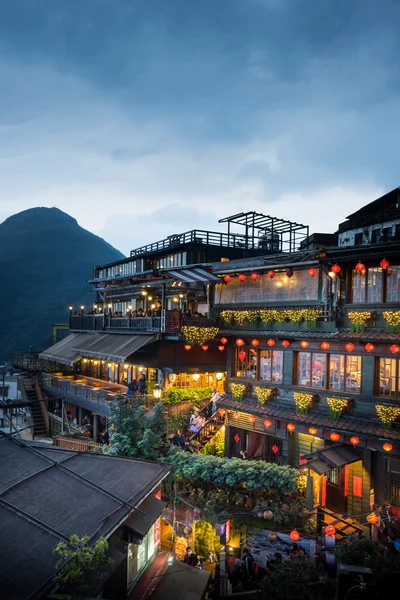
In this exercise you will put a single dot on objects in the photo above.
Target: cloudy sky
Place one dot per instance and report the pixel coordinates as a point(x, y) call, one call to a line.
point(143, 118)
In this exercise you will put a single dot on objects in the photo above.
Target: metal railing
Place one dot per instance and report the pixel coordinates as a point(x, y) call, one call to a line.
point(27, 361)
point(209, 429)
point(70, 387)
point(167, 321)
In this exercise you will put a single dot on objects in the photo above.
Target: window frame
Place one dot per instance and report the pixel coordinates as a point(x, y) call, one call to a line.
point(384, 297)
point(378, 378)
point(246, 362)
point(327, 386)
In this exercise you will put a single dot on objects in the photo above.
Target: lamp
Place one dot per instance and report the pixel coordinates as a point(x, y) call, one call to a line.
point(196, 376)
point(219, 376)
point(157, 392)
point(71, 307)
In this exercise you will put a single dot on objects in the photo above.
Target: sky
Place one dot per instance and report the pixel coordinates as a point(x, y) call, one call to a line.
point(145, 118)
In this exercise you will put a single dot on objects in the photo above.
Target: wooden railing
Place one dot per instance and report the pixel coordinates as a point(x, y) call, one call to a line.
point(56, 426)
point(210, 427)
point(69, 387)
point(81, 445)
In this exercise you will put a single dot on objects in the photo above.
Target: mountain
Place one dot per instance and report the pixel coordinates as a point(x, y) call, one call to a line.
point(45, 260)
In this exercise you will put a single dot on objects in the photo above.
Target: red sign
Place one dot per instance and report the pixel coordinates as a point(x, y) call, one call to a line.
point(275, 449)
point(357, 486)
point(228, 531)
point(323, 493)
point(302, 461)
point(157, 526)
point(236, 438)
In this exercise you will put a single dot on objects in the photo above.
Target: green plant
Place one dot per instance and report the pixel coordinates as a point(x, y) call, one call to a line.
point(387, 414)
point(216, 446)
point(263, 394)
point(336, 407)
point(358, 320)
point(198, 335)
point(363, 552)
point(309, 527)
point(196, 394)
point(296, 579)
point(206, 539)
point(237, 390)
point(303, 402)
point(81, 558)
point(392, 318)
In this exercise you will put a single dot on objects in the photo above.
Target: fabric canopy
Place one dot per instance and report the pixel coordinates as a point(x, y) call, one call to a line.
point(192, 275)
point(114, 347)
point(65, 352)
point(323, 461)
point(141, 523)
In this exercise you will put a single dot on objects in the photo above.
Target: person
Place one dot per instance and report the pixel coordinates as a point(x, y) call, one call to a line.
point(294, 550)
point(104, 437)
point(243, 454)
point(188, 553)
point(214, 399)
point(247, 572)
point(69, 417)
point(141, 387)
point(133, 386)
point(236, 575)
point(193, 560)
point(158, 306)
point(193, 417)
point(187, 313)
point(271, 563)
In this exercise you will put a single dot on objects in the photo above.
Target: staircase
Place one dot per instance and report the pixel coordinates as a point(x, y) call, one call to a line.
point(344, 526)
point(207, 432)
point(31, 394)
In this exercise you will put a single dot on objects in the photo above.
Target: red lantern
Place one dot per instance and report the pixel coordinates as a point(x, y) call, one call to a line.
point(271, 342)
point(221, 348)
point(271, 274)
point(267, 423)
point(394, 348)
point(369, 347)
point(227, 278)
point(350, 347)
point(242, 355)
point(204, 347)
point(334, 437)
point(360, 267)
point(187, 347)
point(239, 342)
point(304, 344)
point(236, 416)
point(291, 427)
point(221, 411)
point(336, 269)
point(325, 346)
point(242, 277)
point(289, 273)
point(224, 340)
point(254, 276)
point(355, 440)
point(330, 530)
point(372, 518)
point(312, 272)
point(294, 535)
point(252, 419)
point(387, 447)
point(255, 343)
point(312, 430)
point(285, 343)
point(384, 263)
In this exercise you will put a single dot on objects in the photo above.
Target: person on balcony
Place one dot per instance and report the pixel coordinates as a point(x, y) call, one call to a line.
point(158, 307)
point(141, 387)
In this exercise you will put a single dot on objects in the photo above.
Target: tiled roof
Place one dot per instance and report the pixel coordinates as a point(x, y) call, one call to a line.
point(369, 427)
point(342, 334)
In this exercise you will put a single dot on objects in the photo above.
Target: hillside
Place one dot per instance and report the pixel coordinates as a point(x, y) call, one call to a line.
point(45, 260)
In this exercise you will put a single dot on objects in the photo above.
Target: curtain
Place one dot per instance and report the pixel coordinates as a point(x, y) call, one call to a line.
point(255, 445)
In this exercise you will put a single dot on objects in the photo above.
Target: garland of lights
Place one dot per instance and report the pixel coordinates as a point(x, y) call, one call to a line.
point(237, 390)
point(271, 315)
point(336, 407)
point(358, 319)
point(198, 335)
point(392, 318)
point(263, 394)
point(387, 414)
point(303, 402)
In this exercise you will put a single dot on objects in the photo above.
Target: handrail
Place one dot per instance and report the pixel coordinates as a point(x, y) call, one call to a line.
point(335, 516)
point(216, 419)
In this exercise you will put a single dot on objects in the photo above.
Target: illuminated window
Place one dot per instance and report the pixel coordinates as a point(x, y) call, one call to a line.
point(389, 377)
point(329, 371)
point(264, 365)
point(271, 365)
point(345, 373)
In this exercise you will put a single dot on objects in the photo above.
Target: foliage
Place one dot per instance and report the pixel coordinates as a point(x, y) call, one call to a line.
point(237, 390)
point(358, 319)
point(363, 552)
point(176, 422)
point(392, 318)
point(81, 559)
point(271, 315)
point(263, 394)
point(157, 420)
point(336, 407)
point(387, 414)
point(151, 446)
point(198, 335)
point(310, 527)
point(196, 394)
point(216, 446)
point(206, 539)
point(296, 579)
point(303, 402)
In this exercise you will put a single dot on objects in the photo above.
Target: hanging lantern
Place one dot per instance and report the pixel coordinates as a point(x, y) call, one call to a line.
point(271, 342)
point(372, 518)
point(304, 344)
point(252, 419)
point(267, 423)
point(369, 347)
point(294, 535)
point(312, 430)
point(387, 447)
point(334, 437)
point(242, 355)
point(335, 269)
point(268, 514)
point(350, 347)
point(221, 411)
point(227, 278)
point(239, 342)
point(221, 348)
point(254, 276)
point(236, 416)
point(312, 272)
point(355, 440)
point(360, 267)
point(272, 538)
point(384, 263)
point(187, 347)
point(255, 343)
point(224, 340)
point(285, 343)
point(204, 347)
point(330, 530)
point(394, 348)
point(289, 273)
point(271, 274)
point(325, 346)
point(291, 427)
point(242, 277)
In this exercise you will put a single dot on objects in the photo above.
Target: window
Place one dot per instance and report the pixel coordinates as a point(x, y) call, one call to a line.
point(393, 284)
point(264, 365)
point(358, 239)
point(329, 371)
point(389, 377)
point(333, 476)
point(373, 285)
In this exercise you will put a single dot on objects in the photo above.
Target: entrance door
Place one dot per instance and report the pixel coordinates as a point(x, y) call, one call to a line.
point(335, 498)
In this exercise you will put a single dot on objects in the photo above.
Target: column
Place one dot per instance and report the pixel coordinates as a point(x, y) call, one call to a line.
point(95, 427)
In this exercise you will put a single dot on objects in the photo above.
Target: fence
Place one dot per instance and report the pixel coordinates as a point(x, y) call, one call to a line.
point(78, 444)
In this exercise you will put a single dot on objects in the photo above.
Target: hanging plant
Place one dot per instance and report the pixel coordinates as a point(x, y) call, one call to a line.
point(310, 316)
point(392, 318)
point(303, 402)
point(358, 320)
point(336, 407)
point(198, 335)
point(295, 316)
point(237, 390)
point(387, 414)
point(263, 394)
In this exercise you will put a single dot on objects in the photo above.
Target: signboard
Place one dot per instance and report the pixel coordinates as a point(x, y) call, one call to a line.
point(228, 531)
point(157, 527)
point(357, 486)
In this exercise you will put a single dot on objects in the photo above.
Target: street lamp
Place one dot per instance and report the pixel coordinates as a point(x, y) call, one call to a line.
point(157, 392)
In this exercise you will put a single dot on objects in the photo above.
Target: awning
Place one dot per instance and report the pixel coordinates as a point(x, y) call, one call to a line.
point(139, 523)
point(323, 461)
point(66, 352)
point(115, 348)
point(193, 275)
point(182, 582)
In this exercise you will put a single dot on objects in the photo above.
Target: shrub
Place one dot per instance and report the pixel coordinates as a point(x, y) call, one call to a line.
point(195, 395)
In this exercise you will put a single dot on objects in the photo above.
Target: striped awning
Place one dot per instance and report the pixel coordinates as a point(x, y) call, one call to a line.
point(65, 352)
point(333, 457)
point(192, 275)
point(113, 347)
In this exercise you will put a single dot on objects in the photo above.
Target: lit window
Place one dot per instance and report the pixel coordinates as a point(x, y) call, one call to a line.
point(329, 371)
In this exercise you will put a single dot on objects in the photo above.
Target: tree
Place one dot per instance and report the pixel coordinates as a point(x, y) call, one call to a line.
point(81, 559)
point(296, 579)
point(363, 552)
point(157, 421)
point(125, 427)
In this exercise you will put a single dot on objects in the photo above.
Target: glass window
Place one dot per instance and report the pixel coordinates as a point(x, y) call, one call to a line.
point(393, 284)
point(240, 363)
point(359, 283)
point(388, 379)
point(336, 372)
point(304, 368)
point(340, 372)
point(319, 370)
point(252, 364)
point(271, 365)
point(265, 365)
point(353, 374)
point(374, 288)
point(277, 366)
